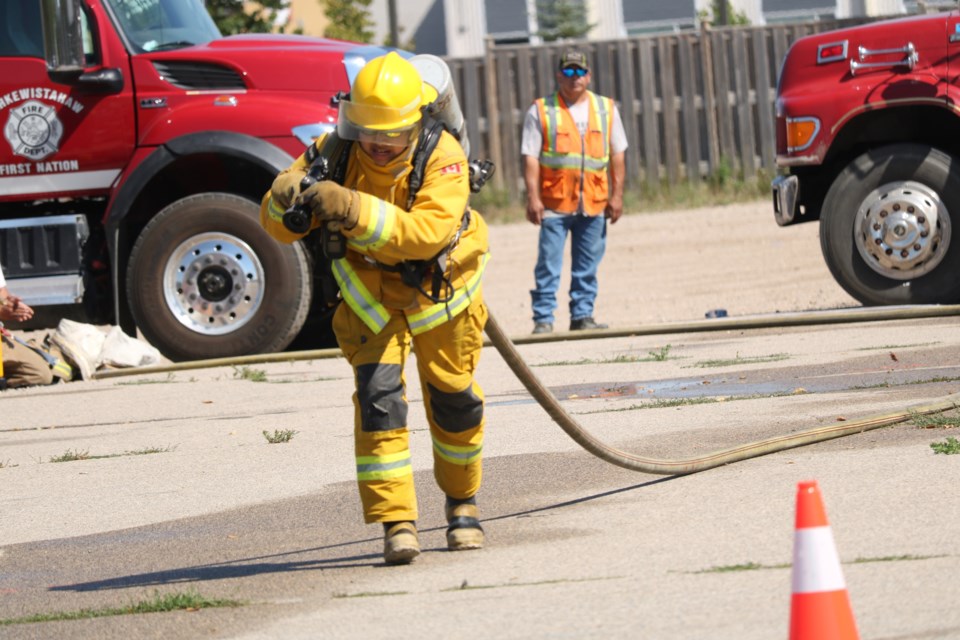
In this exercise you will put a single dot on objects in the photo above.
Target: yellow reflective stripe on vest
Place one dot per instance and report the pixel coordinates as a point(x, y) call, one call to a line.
point(274, 211)
point(373, 314)
point(392, 465)
point(459, 455)
point(380, 227)
point(605, 113)
point(574, 162)
point(439, 313)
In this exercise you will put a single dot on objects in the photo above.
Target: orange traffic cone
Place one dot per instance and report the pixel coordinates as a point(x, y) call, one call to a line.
point(820, 606)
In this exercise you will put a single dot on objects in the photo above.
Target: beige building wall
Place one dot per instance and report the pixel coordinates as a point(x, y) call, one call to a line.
point(307, 16)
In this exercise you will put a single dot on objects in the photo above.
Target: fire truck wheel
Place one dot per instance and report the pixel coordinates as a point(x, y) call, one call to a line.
point(206, 281)
point(889, 224)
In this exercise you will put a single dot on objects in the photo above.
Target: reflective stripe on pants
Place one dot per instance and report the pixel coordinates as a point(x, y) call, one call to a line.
point(447, 357)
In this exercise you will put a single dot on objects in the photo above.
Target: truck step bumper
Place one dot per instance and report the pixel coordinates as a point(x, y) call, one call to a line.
point(43, 258)
point(47, 290)
point(785, 189)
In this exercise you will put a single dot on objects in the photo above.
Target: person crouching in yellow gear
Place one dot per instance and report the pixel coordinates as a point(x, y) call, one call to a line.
point(383, 317)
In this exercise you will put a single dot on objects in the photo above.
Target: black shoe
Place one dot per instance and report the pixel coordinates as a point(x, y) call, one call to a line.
point(586, 323)
point(542, 327)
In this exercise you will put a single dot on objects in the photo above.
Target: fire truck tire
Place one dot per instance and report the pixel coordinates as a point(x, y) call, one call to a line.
point(889, 226)
point(205, 280)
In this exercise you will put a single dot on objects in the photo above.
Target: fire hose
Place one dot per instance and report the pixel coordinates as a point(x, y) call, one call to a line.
point(507, 349)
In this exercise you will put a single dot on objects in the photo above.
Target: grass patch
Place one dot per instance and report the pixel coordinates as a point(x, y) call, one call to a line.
point(183, 601)
point(144, 452)
point(169, 379)
point(655, 356)
point(661, 354)
point(669, 403)
point(465, 586)
point(72, 455)
point(746, 566)
point(248, 373)
point(285, 435)
point(905, 557)
point(885, 385)
point(890, 347)
point(756, 566)
point(371, 594)
point(662, 404)
point(934, 421)
point(738, 360)
point(950, 446)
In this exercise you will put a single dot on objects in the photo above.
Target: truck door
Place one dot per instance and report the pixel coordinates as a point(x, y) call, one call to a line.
point(61, 139)
point(953, 57)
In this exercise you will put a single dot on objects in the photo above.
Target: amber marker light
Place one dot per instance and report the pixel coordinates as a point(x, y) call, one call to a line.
point(801, 133)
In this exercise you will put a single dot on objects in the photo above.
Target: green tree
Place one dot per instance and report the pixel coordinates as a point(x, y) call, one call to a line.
point(349, 20)
point(712, 15)
point(231, 17)
point(562, 20)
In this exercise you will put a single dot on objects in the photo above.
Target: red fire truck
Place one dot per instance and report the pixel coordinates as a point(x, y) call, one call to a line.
point(138, 142)
point(868, 134)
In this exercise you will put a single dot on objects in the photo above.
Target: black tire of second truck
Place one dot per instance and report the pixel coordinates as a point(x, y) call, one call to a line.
point(205, 280)
point(889, 225)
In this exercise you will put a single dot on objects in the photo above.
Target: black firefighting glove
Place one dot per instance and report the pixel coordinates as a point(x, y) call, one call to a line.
point(329, 202)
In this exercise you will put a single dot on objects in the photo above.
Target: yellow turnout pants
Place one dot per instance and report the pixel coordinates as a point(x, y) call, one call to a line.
point(22, 366)
point(447, 357)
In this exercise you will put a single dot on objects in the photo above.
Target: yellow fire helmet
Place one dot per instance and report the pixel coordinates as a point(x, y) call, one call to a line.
point(384, 104)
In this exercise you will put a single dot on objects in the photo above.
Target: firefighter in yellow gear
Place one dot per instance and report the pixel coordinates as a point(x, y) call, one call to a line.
point(381, 316)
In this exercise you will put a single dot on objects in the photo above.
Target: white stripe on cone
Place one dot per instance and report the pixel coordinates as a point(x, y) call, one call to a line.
point(816, 566)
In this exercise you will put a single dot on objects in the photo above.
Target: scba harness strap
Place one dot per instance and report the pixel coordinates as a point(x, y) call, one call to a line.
point(412, 272)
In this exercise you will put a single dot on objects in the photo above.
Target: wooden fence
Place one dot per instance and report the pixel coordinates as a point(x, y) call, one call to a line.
point(693, 103)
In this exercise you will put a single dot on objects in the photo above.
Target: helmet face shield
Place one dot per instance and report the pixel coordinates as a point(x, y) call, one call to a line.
point(378, 124)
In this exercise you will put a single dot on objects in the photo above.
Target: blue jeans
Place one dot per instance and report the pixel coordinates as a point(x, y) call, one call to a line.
point(588, 242)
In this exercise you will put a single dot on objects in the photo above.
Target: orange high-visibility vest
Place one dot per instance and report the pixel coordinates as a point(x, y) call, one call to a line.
point(572, 168)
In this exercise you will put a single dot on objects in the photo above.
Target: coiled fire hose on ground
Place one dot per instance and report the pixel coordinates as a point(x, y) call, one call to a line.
point(633, 462)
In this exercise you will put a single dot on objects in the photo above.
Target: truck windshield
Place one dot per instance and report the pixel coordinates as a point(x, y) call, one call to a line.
point(156, 25)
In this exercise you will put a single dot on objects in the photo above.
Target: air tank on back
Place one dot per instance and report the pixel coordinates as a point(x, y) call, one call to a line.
point(446, 108)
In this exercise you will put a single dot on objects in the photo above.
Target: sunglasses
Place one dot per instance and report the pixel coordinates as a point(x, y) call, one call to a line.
point(570, 72)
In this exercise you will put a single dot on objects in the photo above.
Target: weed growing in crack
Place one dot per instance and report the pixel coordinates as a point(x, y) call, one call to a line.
point(72, 455)
point(934, 421)
point(738, 360)
point(253, 375)
point(950, 446)
point(285, 435)
point(182, 601)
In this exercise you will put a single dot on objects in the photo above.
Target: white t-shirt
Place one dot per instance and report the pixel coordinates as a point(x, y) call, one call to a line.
point(531, 140)
point(3, 281)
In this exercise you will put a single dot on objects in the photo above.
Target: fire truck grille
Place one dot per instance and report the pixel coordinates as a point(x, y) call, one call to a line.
point(199, 76)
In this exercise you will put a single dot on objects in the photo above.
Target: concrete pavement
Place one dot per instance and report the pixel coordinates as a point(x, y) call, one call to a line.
point(577, 548)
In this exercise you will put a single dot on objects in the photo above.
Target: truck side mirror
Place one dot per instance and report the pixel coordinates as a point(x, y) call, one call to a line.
point(63, 49)
point(62, 39)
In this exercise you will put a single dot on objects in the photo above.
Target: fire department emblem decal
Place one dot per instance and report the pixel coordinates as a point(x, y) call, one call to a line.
point(33, 130)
